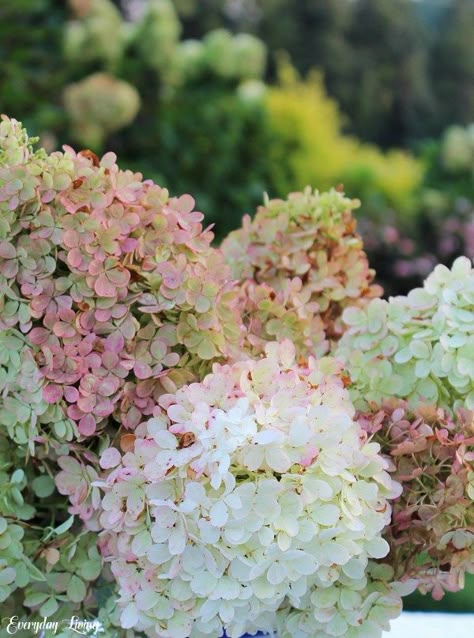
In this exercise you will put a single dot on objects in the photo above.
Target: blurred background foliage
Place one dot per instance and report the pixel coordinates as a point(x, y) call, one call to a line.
point(226, 99)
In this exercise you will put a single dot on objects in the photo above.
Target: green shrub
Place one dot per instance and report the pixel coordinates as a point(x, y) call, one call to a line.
point(309, 147)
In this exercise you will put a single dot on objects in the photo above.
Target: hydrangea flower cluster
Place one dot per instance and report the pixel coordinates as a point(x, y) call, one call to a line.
point(177, 455)
point(106, 276)
point(250, 496)
point(431, 534)
point(306, 264)
point(99, 105)
point(419, 347)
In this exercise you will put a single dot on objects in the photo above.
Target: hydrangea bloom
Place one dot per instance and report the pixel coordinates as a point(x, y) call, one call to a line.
point(252, 495)
point(419, 347)
point(270, 315)
point(431, 534)
point(106, 276)
point(99, 105)
point(306, 251)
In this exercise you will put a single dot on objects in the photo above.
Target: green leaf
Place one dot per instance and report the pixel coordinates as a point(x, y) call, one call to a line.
point(90, 569)
point(60, 429)
point(22, 575)
point(17, 496)
point(34, 571)
point(35, 598)
point(470, 491)
point(43, 486)
point(25, 512)
point(422, 558)
point(72, 551)
point(206, 350)
point(7, 576)
point(76, 590)
point(61, 529)
point(17, 476)
point(49, 608)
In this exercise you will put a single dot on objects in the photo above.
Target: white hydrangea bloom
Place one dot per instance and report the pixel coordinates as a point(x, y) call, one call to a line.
point(419, 347)
point(251, 496)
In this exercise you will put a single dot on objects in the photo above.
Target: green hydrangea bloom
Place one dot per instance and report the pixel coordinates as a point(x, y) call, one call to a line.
point(419, 347)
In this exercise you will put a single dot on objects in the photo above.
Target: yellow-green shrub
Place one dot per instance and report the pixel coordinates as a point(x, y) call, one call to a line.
point(309, 147)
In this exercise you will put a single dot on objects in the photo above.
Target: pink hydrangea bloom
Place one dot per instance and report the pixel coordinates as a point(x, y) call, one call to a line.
point(306, 251)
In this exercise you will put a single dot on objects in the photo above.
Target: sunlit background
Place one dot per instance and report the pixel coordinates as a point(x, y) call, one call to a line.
point(228, 99)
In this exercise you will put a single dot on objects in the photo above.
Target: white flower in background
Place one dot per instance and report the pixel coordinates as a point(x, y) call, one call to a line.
point(246, 504)
point(419, 347)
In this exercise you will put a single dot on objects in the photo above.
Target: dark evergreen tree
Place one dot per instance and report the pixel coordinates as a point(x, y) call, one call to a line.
point(391, 101)
point(453, 66)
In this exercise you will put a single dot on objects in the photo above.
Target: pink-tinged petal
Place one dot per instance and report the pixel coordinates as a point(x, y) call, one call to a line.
point(74, 412)
point(110, 457)
point(13, 203)
point(171, 360)
point(178, 414)
point(108, 386)
point(102, 315)
point(119, 311)
point(115, 343)
point(110, 360)
point(118, 277)
point(104, 408)
point(74, 258)
point(185, 203)
point(103, 287)
point(128, 245)
point(80, 493)
point(66, 313)
point(93, 360)
point(71, 394)
point(37, 336)
point(70, 465)
point(132, 418)
point(7, 250)
point(86, 345)
point(28, 290)
point(96, 266)
point(145, 388)
point(86, 425)
point(108, 160)
point(86, 404)
point(115, 517)
point(86, 320)
point(9, 269)
point(52, 393)
point(128, 328)
point(66, 483)
point(142, 370)
point(48, 196)
point(88, 384)
point(63, 330)
point(71, 239)
point(89, 456)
